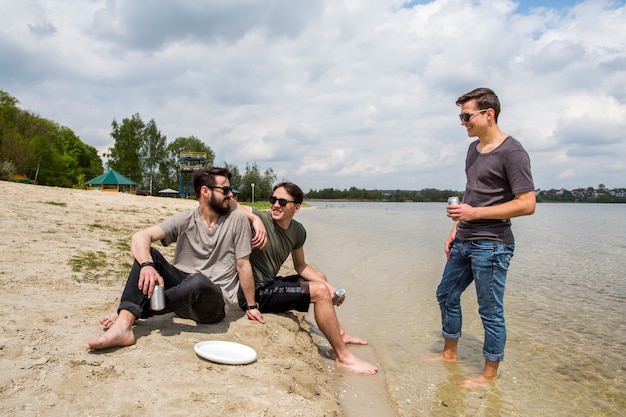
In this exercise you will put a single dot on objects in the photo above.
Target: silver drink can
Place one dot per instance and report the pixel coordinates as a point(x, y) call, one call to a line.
point(453, 201)
point(157, 301)
point(339, 295)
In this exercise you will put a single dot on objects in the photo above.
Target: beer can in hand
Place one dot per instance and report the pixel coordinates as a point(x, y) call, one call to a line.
point(157, 301)
point(453, 201)
point(339, 295)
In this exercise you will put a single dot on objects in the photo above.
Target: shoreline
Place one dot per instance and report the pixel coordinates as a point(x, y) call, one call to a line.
point(65, 260)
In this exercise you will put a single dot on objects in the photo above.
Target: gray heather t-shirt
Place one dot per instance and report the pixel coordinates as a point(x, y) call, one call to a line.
point(213, 252)
point(280, 242)
point(494, 178)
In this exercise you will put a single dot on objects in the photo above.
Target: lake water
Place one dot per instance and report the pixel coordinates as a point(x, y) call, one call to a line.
point(565, 306)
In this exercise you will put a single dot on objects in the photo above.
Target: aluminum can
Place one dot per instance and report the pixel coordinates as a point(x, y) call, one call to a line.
point(339, 295)
point(453, 201)
point(157, 301)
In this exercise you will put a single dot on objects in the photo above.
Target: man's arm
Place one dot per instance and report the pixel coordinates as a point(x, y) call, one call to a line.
point(309, 273)
point(246, 281)
point(522, 205)
point(140, 249)
point(259, 240)
point(303, 269)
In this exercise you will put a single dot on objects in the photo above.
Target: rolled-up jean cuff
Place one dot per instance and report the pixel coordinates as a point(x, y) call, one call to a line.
point(493, 358)
point(133, 308)
point(451, 336)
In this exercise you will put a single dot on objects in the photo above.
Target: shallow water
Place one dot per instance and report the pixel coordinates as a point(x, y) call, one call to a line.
point(564, 305)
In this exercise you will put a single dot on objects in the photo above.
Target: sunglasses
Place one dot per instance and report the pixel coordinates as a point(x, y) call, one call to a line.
point(225, 189)
point(465, 117)
point(281, 201)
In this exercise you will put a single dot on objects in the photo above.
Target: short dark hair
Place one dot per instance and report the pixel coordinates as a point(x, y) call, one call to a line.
point(292, 189)
point(485, 99)
point(207, 176)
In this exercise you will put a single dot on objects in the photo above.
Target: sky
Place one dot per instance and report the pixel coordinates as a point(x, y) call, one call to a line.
point(333, 93)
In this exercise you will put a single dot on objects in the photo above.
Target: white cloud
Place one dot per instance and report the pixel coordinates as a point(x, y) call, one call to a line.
point(336, 93)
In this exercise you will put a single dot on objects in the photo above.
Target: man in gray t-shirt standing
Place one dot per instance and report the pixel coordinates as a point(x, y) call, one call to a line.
point(480, 245)
point(211, 261)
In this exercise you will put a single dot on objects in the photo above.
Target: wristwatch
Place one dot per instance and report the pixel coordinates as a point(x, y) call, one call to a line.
point(253, 307)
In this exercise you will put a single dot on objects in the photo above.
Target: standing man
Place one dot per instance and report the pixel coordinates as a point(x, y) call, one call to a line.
point(480, 245)
point(211, 260)
point(284, 236)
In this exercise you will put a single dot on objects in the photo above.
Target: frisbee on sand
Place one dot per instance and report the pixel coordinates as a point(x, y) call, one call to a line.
point(230, 353)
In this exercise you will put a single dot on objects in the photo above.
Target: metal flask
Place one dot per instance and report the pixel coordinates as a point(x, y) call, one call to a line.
point(157, 301)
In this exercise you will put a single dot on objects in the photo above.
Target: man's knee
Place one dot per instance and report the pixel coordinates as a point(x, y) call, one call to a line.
point(319, 291)
point(210, 317)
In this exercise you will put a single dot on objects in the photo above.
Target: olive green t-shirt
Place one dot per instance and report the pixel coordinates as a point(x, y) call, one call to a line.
point(280, 242)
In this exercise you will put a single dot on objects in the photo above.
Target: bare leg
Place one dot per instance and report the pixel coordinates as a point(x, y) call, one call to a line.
point(326, 319)
point(448, 354)
point(120, 333)
point(487, 377)
point(348, 338)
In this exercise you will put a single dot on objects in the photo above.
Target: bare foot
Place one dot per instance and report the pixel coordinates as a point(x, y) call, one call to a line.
point(480, 381)
point(348, 338)
point(117, 335)
point(107, 321)
point(358, 365)
point(440, 358)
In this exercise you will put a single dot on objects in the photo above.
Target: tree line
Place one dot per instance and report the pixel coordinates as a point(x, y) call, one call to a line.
point(49, 154)
point(141, 152)
point(356, 194)
point(42, 150)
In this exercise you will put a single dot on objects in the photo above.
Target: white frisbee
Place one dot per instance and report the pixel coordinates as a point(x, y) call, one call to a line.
point(230, 353)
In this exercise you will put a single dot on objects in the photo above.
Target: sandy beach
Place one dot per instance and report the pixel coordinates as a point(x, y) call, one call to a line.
point(65, 258)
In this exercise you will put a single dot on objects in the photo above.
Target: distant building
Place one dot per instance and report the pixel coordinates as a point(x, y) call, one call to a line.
point(112, 182)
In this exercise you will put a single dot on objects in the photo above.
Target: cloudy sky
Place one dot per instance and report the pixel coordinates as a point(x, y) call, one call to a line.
point(333, 93)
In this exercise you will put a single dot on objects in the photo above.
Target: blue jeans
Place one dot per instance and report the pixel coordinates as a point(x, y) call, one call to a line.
point(486, 263)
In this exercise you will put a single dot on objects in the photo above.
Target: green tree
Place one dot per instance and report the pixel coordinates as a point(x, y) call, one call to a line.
point(262, 183)
point(236, 178)
point(139, 152)
point(128, 138)
point(153, 152)
point(169, 166)
point(46, 152)
point(190, 144)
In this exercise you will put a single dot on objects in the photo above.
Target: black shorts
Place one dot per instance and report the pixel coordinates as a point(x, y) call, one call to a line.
point(284, 294)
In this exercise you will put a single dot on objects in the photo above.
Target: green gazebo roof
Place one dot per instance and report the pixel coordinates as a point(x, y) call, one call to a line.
point(111, 178)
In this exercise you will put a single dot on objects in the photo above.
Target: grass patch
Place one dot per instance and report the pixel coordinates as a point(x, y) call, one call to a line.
point(123, 245)
point(96, 267)
point(55, 203)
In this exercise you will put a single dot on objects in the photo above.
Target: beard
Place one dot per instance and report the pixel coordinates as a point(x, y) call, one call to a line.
point(220, 207)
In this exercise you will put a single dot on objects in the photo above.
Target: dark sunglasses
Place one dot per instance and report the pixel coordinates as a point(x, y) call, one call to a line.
point(225, 189)
point(465, 117)
point(281, 201)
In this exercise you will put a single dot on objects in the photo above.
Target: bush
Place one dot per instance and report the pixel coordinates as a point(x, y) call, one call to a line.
point(7, 168)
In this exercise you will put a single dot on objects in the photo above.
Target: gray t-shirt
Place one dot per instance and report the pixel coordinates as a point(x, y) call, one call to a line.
point(280, 242)
point(213, 252)
point(494, 178)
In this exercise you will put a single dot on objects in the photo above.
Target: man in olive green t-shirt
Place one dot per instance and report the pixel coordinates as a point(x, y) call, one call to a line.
point(277, 236)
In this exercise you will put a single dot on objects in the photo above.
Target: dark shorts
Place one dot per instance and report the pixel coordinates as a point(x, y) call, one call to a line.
point(284, 294)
